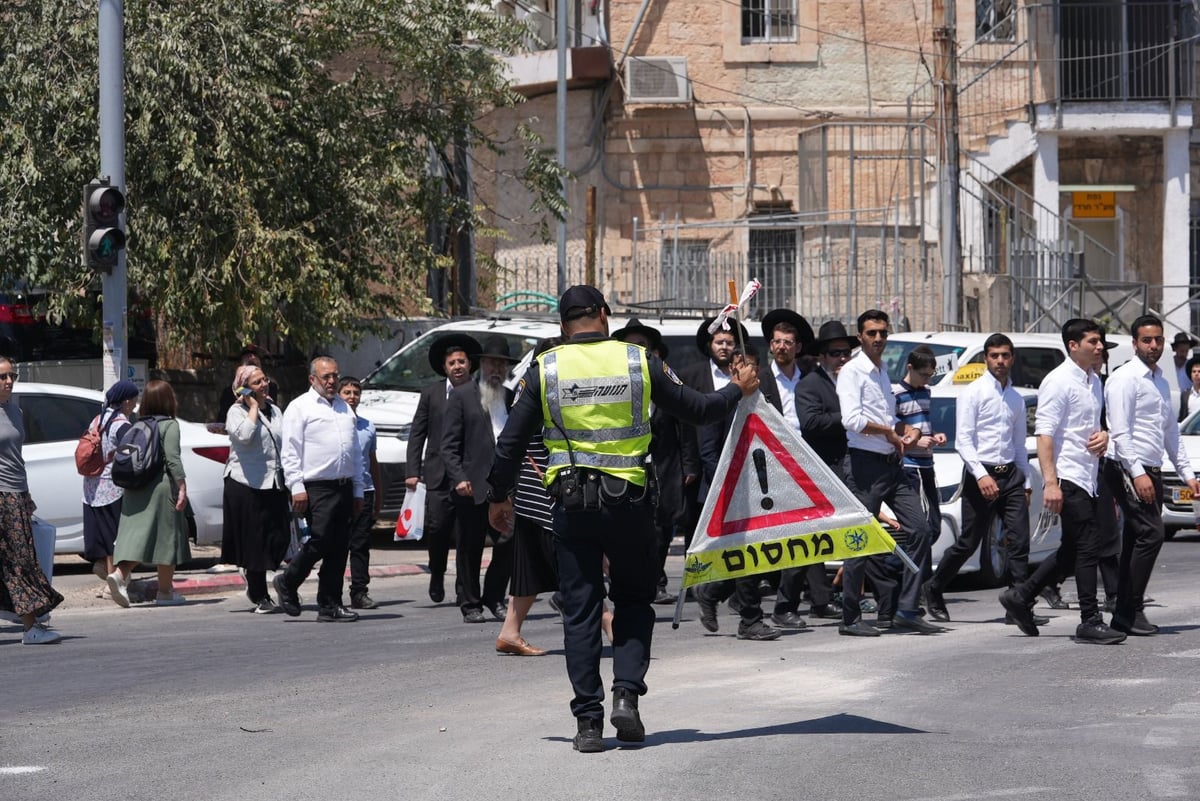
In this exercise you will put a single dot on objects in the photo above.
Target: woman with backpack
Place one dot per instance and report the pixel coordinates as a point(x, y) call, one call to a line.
point(258, 512)
point(153, 526)
point(101, 497)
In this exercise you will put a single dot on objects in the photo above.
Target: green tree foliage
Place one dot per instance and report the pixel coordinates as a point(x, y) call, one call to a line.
point(277, 153)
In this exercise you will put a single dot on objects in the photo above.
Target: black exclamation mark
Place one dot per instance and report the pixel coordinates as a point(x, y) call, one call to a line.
point(760, 467)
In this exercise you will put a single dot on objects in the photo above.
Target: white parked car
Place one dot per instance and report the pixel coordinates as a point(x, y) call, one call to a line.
point(1177, 511)
point(56, 416)
point(1037, 354)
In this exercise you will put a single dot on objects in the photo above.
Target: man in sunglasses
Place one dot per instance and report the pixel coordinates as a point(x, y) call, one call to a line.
point(876, 441)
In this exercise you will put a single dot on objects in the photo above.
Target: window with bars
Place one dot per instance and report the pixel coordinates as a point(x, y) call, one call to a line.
point(685, 271)
point(769, 21)
point(772, 260)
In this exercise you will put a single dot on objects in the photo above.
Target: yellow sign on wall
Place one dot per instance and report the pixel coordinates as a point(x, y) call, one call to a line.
point(1094, 205)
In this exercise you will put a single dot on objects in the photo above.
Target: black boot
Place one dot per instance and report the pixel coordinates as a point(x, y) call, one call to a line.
point(625, 716)
point(589, 739)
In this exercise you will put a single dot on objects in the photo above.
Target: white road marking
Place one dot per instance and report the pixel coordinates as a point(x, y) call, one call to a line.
point(18, 770)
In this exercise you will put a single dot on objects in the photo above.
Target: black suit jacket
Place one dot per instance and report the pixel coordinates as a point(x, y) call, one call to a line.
point(427, 427)
point(673, 452)
point(820, 416)
point(468, 444)
point(709, 438)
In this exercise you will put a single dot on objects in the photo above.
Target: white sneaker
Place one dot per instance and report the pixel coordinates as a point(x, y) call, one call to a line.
point(170, 599)
point(118, 588)
point(40, 635)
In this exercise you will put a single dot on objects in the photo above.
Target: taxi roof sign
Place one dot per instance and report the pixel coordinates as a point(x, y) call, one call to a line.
point(968, 373)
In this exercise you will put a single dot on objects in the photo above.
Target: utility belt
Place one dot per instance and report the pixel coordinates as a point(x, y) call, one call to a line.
point(1000, 469)
point(583, 489)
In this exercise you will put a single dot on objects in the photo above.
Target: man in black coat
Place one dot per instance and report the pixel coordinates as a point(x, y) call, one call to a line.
point(475, 414)
point(673, 454)
point(453, 356)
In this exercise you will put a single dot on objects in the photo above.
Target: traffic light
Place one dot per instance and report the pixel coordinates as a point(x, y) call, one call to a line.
point(103, 239)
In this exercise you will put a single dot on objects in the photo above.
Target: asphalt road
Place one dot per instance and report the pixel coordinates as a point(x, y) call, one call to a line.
point(208, 701)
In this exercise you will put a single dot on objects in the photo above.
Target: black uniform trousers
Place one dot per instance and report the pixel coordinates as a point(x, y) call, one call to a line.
point(875, 479)
point(1080, 547)
point(473, 530)
point(329, 512)
point(977, 516)
point(746, 591)
point(440, 518)
point(624, 532)
point(1141, 539)
point(360, 545)
point(792, 582)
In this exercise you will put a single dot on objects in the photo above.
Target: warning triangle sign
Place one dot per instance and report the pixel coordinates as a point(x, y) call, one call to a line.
point(774, 504)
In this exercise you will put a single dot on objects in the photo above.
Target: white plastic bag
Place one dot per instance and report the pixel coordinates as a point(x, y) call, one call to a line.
point(410, 525)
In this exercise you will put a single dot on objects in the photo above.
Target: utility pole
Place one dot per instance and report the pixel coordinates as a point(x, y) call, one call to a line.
point(114, 285)
point(945, 40)
point(560, 35)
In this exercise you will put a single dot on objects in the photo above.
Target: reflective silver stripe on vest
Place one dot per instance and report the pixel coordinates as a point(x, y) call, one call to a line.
point(598, 460)
point(637, 404)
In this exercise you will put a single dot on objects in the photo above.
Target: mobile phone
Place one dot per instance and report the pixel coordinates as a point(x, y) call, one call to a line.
point(244, 391)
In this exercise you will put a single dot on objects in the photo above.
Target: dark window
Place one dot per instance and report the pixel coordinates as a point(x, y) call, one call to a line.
point(995, 20)
point(55, 418)
point(773, 262)
point(1032, 365)
point(685, 270)
point(769, 20)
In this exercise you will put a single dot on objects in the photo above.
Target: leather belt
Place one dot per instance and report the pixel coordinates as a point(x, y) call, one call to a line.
point(887, 458)
point(1000, 469)
point(1152, 469)
point(329, 482)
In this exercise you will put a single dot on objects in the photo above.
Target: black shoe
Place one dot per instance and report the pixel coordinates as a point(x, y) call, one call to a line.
point(589, 738)
point(916, 623)
point(663, 597)
point(1054, 599)
point(1019, 612)
point(882, 623)
point(788, 620)
point(758, 631)
point(336, 614)
point(826, 612)
point(473, 616)
point(858, 628)
point(363, 601)
point(266, 607)
point(626, 718)
point(287, 599)
point(1038, 620)
point(1140, 627)
point(708, 612)
point(935, 602)
point(437, 589)
point(1094, 631)
point(499, 610)
point(867, 605)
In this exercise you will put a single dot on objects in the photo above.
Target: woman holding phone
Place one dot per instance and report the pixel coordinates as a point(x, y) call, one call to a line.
point(257, 512)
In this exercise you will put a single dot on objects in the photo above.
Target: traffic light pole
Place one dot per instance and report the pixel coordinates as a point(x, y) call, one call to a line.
point(114, 352)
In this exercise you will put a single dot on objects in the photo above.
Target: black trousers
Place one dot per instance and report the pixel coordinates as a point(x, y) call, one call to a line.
point(1141, 539)
point(746, 590)
point(792, 582)
point(876, 479)
point(664, 533)
point(330, 508)
point(360, 545)
point(623, 532)
point(1079, 547)
point(440, 518)
point(977, 516)
point(473, 530)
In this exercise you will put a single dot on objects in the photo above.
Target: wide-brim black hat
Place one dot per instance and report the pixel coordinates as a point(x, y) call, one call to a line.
point(636, 326)
point(804, 332)
point(452, 342)
point(833, 331)
point(703, 338)
point(1184, 338)
point(496, 347)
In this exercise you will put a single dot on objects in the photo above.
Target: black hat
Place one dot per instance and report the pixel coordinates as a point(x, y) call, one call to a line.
point(704, 339)
point(579, 301)
point(1106, 342)
point(1184, 338)
point(635, 326)
point(447, 343)
point(832, 331)
point(496, 347)
point(804, 332)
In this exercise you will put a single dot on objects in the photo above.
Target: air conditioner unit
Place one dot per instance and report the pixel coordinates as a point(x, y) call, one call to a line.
point(661, 79)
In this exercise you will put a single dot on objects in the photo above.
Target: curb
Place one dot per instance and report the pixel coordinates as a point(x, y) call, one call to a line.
point(227, 582)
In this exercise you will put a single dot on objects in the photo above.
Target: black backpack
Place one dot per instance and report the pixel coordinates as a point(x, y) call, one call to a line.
point(138, 460)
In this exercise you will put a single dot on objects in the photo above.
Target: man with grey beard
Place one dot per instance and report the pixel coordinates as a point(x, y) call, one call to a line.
point(475, 414)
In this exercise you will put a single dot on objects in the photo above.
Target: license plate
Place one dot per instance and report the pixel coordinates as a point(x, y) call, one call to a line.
point(1181, 494)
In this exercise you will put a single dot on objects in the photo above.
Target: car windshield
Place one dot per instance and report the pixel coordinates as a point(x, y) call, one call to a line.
point(409, 370)
point(895, 358)
point(943, 419)
point(1192, 426)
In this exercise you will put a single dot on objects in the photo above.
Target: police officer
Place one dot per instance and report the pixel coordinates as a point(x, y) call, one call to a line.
point(591, 397)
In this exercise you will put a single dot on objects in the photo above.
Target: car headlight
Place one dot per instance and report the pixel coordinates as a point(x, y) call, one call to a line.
point(949, 493)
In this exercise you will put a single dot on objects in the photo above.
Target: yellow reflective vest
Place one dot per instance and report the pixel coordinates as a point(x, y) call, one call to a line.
point(596, 408)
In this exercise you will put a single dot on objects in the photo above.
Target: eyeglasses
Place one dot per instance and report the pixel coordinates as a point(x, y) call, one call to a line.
point(790, 343)
point(8, 376)
point(838, 352)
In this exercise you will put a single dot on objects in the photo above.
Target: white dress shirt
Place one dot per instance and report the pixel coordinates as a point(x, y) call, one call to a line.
point(1069, 403)
point(320, 443)
point(1141, 421)
point(1191, 401)
point(865, 394)
point(991, 427)
point(787, 393)
point(719, 377)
